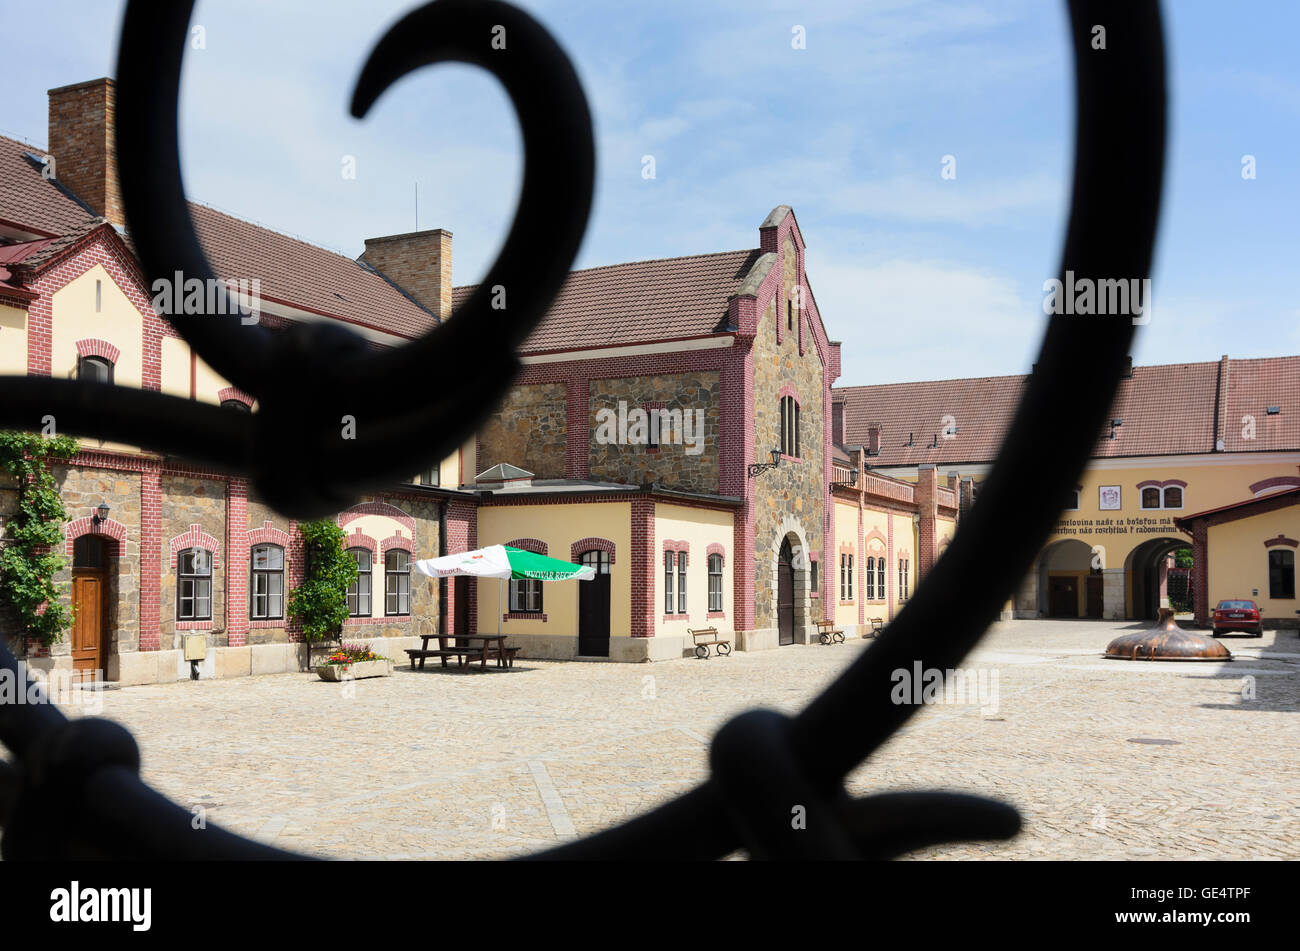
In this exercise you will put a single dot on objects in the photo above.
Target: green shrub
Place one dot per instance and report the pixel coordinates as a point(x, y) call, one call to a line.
point(320, 603)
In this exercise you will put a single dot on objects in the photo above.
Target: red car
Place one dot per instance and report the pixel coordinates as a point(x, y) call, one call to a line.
point(1238, 616)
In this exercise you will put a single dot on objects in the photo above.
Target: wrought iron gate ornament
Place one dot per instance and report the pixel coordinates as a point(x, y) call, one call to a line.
point(765, 766)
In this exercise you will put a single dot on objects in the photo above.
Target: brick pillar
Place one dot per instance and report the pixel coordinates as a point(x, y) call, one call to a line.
point(577, 427)
point(1201, 573)
point(150, 557)
point(643, 563)
point(297, 570)
point(462, 535)
point(237, 562)
point(927, 506)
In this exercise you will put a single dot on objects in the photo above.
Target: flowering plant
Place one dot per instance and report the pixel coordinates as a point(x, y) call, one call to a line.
point(349, 654)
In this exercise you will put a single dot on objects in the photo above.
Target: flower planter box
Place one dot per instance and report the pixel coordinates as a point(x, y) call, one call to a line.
point(362, 668)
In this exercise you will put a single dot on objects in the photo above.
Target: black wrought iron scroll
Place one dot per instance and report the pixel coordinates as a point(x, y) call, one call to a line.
point(764, 764)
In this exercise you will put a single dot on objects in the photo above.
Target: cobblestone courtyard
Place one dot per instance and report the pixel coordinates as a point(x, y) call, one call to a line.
point(484, 765)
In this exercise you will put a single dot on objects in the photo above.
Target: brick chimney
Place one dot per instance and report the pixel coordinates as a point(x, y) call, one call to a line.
point(927, 507)
point(873, 440)
point(82, 126)
point(418, 262)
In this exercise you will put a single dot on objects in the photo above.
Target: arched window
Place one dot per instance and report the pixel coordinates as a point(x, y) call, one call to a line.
point(239, 405)
point(1173, 497)
point(789, 427)
point(1151, 498)
point(846, 576)
point(359, 590)
point(902, 579)
point(94, 369)
point(266, 586)
point(870, 574)
point(194, 585)
point(880, 578)
point(670, 559)
point(596, 559)
point(88, 552)
point(1281, 574)
point(397, 583)
point(715, 583)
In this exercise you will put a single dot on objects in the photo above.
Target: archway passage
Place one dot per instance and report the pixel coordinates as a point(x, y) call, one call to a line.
point(785, 594)
point(1148, 565)
point(90, 563)
point(1070, 581)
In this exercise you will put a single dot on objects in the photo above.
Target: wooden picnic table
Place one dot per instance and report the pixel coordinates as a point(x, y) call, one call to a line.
point(459, 649)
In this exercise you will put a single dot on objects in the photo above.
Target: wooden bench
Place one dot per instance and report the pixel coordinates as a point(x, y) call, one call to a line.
point(877, 625)
point(828, 633)
point(707, 636)
point(507, 656)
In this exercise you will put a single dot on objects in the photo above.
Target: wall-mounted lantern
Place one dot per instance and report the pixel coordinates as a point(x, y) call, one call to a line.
point(756, 467)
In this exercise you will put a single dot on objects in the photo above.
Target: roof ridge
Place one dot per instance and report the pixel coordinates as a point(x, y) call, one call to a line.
point(24, 143)
point(608, 267)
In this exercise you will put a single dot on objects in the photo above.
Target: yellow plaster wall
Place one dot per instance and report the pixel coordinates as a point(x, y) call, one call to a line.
point(13, 340)
point(380, 527)
point(1238, 560)
point(559, 526)
point(700, 528)
point(846, 533)
point(175, 367)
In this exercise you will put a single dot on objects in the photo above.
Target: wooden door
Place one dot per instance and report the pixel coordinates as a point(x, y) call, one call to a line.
point(593, 607)
point(785, 594)
point(1063, 597)
point(88, 586)
point(1095, 599)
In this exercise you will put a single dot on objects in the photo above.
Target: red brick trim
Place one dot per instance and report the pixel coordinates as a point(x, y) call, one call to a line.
point(196, 537)
point(643, 567)
point(268, 534)
point(716, 549)
point(591, 544)
point(396, 540)
point(197, 626)
point(534, 545)
point(388, 619)
point(876, 535)
point(87, 526)
point(238, 607)
point(677, 617)
point(670, 545)
point(93, 347)
point(715, 614)
point(1281, 540)
point(1291, 482)
point(358, 539)
point(1150, 483)
point(263, 623)
point(233, 393)
point(523, 616)
point(788, 389)
point(377, 508)
point(150, 554)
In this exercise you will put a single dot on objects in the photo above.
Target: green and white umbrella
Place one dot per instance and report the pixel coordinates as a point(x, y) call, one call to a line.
point(502, 562)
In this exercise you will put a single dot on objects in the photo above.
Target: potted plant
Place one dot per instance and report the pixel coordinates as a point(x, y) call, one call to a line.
point(353, 662)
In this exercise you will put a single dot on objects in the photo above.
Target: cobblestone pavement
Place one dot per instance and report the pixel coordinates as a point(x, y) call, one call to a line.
point(483, 765)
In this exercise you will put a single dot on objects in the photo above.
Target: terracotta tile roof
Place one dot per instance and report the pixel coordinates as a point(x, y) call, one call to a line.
point(29, 201)
point(1167, 410)
point(1254, 386)
point(306, 276)
point(639, 302)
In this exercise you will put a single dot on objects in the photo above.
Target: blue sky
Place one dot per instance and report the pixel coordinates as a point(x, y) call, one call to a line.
point(921, 278)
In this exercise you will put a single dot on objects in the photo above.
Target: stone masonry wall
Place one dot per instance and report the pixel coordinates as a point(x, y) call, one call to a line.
point(82, 490)
point(188, 501)
point(529, 430)
point(795, 490)
point(670, 465)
